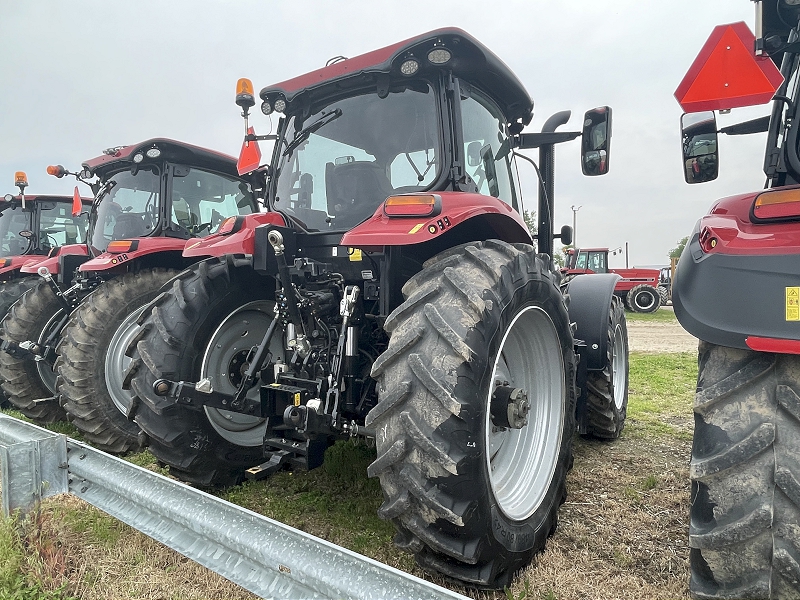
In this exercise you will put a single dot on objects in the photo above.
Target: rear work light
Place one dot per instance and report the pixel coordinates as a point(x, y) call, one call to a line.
point(120, 246)
point(777, 205)
point(412, 206)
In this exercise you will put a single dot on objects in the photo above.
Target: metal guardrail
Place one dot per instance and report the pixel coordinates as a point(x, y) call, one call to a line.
point(264, 556)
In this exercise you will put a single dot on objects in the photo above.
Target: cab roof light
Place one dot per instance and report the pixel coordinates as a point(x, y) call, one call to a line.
point(412, 206)
point(439, 54)
point(777, 205)
point(120, 246)
point(409, 66)
point(20, 179)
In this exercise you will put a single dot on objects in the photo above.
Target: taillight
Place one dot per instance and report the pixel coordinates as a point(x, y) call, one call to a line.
point(120, 246)
point(5, 262)
point(777, 204)
point(412, 206)
point(707, 240)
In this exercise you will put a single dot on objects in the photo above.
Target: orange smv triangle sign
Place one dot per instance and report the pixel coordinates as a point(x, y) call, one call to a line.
point(250, 156)
point(727, 74)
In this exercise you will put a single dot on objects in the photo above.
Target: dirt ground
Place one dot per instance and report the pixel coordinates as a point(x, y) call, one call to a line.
point(659, 337)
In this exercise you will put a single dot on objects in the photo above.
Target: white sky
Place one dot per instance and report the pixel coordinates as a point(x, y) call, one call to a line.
point(79, 76)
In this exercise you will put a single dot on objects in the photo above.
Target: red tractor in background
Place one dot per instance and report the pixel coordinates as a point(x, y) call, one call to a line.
point(64, 348)
point(737, 289)
point(33, 227)
point(638, 288)
point(396, 296)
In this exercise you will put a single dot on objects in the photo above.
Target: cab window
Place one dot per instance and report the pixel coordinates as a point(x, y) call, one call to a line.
point(487, 149)
point(201, 200)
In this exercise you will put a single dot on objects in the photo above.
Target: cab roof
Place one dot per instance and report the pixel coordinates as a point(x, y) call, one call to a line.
point(471, 61)
point(171, 150)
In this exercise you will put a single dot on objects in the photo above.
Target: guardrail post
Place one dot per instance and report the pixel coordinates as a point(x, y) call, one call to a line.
point(33, 464)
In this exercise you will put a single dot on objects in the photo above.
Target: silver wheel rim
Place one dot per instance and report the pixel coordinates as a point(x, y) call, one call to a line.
point(619, 366)
point(645, 300)
point(44, 368)
point(241, 330)
point(117, 363)
point(521, 462)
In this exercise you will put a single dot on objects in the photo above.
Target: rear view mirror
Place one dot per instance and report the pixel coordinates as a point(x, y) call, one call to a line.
point(699, 145)
point(596, 141)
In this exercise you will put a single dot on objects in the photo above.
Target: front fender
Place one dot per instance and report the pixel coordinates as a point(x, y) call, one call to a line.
point(589, 305)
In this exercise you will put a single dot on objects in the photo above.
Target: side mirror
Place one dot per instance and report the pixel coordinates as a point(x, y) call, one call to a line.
point(596, 141)
point(699, 145)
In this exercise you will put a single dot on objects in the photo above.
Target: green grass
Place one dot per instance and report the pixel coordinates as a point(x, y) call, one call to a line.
point(660, 393)
point(662, 315)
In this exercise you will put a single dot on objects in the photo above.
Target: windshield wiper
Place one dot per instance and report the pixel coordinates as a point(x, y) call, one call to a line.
point(303, 134)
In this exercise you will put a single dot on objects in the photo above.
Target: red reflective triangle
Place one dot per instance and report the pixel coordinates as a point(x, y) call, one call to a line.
point(77, 204)
point(727, 74)
point(250, 156)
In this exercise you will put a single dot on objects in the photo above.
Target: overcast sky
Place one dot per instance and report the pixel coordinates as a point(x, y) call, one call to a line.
point(79, 76)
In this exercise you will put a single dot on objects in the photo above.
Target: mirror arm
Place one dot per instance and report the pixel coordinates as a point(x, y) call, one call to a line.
point(537, 140)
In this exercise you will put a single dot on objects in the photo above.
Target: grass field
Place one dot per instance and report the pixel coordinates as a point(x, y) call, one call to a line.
point(622, 532)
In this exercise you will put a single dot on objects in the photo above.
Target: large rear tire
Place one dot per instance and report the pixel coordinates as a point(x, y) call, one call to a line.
point(744, 531)
point(29, 385)
point(643, 298)
point(204, 327)
point(10, 292)
point(91, 358)
point(607, 389)
point(470, 499)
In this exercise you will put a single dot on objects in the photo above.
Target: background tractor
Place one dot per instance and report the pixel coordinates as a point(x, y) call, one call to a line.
point(33, 226)
point(68, 346)
point(737, 289)
point(638, 288)
point(399, 299)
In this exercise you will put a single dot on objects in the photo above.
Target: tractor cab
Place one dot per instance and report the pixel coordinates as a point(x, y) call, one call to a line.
point(36, 224)
point(588, 260)
point(383, 134)
point(164, 188)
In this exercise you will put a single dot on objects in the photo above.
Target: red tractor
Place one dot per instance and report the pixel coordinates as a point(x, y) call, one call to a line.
point(638, 288)
point(33, 227)
point(737, 289)
point(396, 296)
point(150, 198)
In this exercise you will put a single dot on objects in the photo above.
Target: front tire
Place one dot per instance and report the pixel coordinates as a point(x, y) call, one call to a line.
point(744, 530)
point(91, 358)
point(643, 298)
point(607, 389)
point(203, 327)
point(470, 499)
point(29, 385)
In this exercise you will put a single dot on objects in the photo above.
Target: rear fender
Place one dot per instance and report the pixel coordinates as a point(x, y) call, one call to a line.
point(141, 247)
point(53, 262)
point(241, 239)
point(11, 264)
point(454, 210)
point(746, 301)
point(589, 305)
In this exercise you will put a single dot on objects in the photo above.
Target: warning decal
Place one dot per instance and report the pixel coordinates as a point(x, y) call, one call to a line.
point(793, 303)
